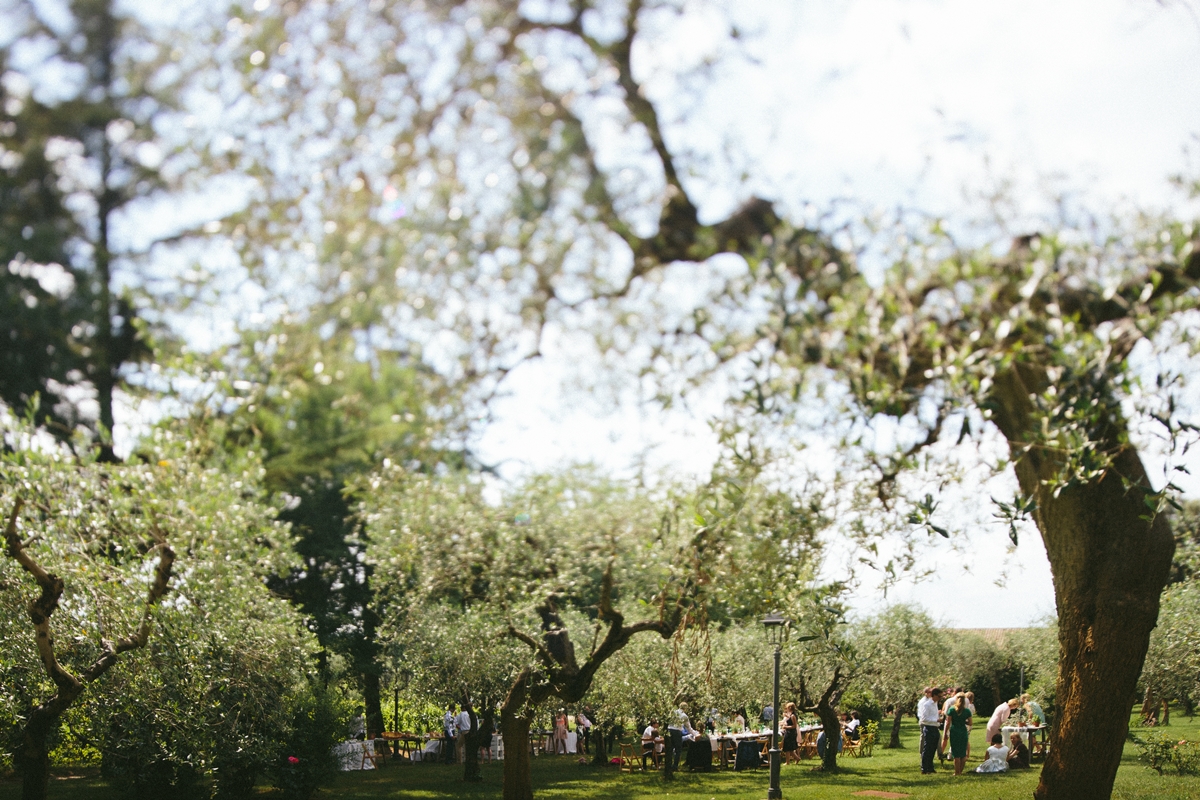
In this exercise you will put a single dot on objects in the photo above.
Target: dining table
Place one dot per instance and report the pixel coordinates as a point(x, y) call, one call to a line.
point(726, 745)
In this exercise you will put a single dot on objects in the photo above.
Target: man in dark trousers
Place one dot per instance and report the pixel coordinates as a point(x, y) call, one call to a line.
point(450, 731)
point(927, 716)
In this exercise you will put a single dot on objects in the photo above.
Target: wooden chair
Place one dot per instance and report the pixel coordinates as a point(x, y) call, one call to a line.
point(808, 745)
point(1041, 747)
point(629, 758)
point(726, 753)
point(369, 754)
point(851, 747)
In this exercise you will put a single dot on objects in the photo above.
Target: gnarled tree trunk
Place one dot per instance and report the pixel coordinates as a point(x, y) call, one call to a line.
point(826, 710)
point(1110, 556)
point(514, 729)
point(33, 758)
point(831, 726)
point(894, 741)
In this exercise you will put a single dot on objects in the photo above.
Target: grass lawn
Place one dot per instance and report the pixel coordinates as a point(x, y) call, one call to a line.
point(562, 778)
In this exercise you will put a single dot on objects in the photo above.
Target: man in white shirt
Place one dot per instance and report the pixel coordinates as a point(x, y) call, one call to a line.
point(677, 729)
point(927, 718)
point(451, 730)
point(463, 723)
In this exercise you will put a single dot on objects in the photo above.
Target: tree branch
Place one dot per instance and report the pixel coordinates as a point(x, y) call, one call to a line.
point(538, 648)
point(43, 607)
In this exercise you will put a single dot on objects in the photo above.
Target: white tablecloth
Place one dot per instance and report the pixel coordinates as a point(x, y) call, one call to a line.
point(350, 755)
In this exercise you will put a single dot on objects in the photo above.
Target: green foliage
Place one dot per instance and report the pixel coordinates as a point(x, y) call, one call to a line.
point(79, 153)
point(314, 726)
point(1172, 668)
point(209, 696)
point(902, 652)
point(864, 702)
point(322, 416)
point(1186, 525)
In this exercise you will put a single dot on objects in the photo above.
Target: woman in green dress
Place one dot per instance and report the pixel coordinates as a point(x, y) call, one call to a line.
point(958, 731)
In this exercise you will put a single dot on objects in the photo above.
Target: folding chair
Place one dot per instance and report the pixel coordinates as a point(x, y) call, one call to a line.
point(369, 754)
point(629, 759)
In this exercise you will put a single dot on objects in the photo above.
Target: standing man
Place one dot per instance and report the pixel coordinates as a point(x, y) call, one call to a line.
point(463, 723)
point(927, 717)
point(449, 728)
point(680, 724)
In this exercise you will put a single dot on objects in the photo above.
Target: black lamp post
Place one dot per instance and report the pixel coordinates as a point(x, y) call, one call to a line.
point(777, 627)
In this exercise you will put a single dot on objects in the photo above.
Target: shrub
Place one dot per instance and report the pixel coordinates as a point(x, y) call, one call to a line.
point(1162, 751)
point(863, 701)
point(304, 759)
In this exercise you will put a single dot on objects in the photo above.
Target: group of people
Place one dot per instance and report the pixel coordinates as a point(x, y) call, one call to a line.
point(456, 728)
point(948, 724)
point(681, 731)
point(562, 725)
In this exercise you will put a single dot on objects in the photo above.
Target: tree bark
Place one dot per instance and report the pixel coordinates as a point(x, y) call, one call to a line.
point(598, 744)
point(894, 742)
point(1149, 707)
point(479, 736)
point(1110, 556)
point(33, 759)
point(372, 703)
point(514, 728)
point(826, 710)
point(831, 726)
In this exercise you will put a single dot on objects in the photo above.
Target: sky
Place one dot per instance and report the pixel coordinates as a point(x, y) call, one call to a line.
point(916, 103)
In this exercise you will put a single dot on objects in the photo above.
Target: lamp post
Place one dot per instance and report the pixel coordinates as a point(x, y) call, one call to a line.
point(777, 627)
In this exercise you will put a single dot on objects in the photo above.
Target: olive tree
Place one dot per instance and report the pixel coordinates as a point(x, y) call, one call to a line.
point(902, 651)
point(446, 652)
point(556, 543)
point(95, 553)
point(1172, 670)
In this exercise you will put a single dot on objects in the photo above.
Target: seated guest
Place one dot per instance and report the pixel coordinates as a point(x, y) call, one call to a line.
point(651, 742)
point(1018, 753)
point(997, 757)
point(739, 720)
point(852, 725)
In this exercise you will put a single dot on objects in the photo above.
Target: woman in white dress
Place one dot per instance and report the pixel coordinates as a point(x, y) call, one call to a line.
point(997, 757)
